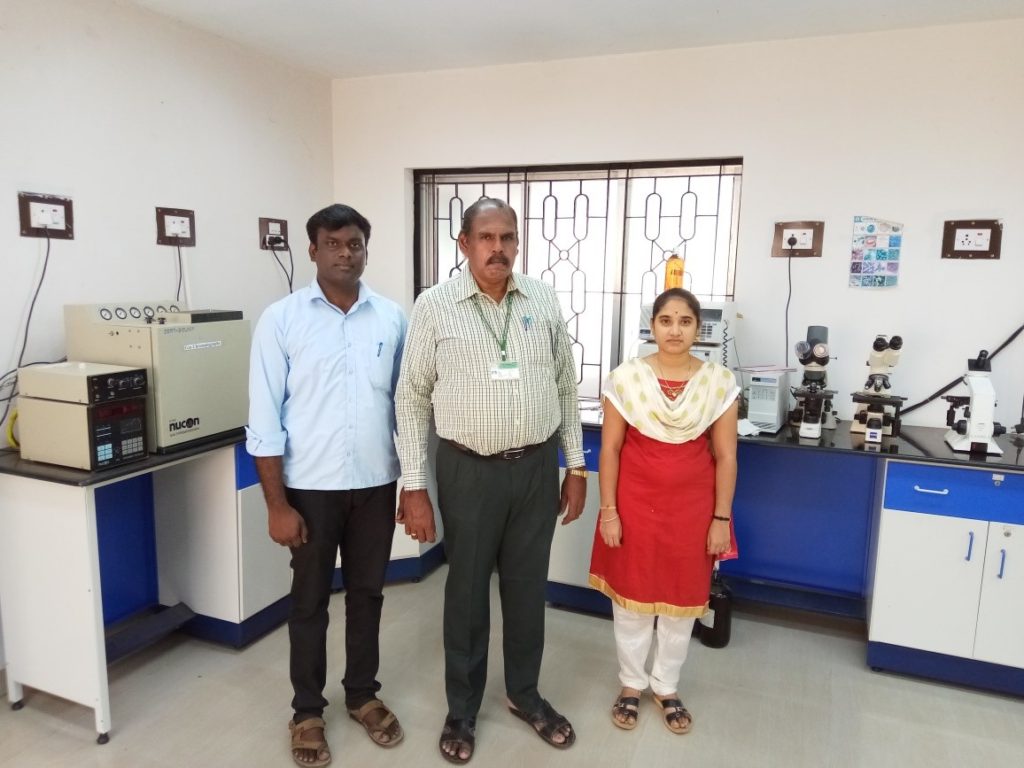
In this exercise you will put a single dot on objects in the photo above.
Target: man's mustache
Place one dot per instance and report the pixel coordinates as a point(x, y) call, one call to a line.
point(498, 258)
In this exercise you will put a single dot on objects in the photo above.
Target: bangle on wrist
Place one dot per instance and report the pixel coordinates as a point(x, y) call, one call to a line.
point(723, 519)
point(610, 506)
point(608, 519)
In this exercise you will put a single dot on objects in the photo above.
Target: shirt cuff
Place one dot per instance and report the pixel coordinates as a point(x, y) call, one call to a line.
point(574, 458)
point(414, 481)
point(257, 445)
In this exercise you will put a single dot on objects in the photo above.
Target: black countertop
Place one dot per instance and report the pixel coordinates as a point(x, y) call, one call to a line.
point(914, 444)
point(11, 463)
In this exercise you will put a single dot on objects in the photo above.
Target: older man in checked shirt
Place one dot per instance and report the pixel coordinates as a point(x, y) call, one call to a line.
point(488, 355)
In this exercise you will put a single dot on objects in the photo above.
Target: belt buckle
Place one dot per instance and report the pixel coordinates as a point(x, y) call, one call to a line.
point(514, 453)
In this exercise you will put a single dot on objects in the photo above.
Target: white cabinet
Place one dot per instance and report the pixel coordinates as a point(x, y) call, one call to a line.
point(949, 565)
point(213, 550)
point(1000, 636)
point(927, 579)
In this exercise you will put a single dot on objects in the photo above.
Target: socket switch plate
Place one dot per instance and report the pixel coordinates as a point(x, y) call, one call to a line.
point(807, 236)
point(175, 226)
point(273, 228)
point(972, 239)
point(46, 216)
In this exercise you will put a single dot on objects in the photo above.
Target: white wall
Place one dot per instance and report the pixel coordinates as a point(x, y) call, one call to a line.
point(123, 111)
point(916, 127)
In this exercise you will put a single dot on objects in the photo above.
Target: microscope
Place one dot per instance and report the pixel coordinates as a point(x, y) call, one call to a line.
point(813, 410)
point(974, 432)
point(878, 411)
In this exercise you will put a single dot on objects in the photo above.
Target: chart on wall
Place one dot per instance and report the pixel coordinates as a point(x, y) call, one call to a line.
point(875, 253)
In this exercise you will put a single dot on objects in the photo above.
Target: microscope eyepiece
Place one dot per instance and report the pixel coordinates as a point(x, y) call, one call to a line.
point(896, 342)
point(881, 344)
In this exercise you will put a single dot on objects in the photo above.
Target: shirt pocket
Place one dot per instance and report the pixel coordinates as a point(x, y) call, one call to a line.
point(378, 360)
point(536, 347)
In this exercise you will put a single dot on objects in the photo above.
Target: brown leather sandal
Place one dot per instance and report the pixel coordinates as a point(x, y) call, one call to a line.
point(299, 741)
point(386, 731)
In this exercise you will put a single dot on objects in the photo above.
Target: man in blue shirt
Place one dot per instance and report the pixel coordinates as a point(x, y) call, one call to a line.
point(322, 380)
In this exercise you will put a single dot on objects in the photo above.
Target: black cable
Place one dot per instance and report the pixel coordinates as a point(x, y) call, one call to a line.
point(291, 264)
point(958, 379)
point(28, 323)
point(789, 296)
point(287, 275)
point(181, 274)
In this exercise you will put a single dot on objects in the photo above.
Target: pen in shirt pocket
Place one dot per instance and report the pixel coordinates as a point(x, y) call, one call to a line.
point(527, 322)
point(380, 346)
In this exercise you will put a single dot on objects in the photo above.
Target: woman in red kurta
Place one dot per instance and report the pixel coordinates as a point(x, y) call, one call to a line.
point(667, 477)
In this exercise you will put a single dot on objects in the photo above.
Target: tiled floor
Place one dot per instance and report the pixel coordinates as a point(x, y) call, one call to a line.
point(789, 690)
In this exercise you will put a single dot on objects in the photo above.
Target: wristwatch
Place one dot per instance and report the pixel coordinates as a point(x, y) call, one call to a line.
point(578, 472)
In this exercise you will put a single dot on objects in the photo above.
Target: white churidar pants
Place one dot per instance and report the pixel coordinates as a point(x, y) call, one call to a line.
point(634, 633)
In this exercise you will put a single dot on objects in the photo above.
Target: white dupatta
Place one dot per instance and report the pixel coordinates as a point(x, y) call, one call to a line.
point(634, 391)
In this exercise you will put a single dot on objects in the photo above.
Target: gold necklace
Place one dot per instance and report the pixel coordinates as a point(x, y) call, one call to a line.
point(669, 390)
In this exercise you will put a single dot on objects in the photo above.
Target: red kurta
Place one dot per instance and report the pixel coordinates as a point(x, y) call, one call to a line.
point(665, 499)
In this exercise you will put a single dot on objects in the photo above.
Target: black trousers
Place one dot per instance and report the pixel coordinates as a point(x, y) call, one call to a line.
point(362, 523)
point(503, 513)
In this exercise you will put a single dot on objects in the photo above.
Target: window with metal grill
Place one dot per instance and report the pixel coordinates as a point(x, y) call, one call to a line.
point(599, 234)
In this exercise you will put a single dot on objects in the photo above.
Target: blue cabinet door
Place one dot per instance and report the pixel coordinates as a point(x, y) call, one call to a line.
point(803, 518)
point(126, 539)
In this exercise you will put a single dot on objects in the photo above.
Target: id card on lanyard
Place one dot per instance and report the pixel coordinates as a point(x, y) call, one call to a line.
point(503, 369)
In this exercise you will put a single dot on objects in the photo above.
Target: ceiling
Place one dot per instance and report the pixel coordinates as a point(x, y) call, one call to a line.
point(356, 38)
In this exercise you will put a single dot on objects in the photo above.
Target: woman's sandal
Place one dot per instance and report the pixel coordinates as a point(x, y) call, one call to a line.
point(386, 730)
point(299, 741)
point(624, 708)
point(678, 720)
point(547, 722)
point(461, 732)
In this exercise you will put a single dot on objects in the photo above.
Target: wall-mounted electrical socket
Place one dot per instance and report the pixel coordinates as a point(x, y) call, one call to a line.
point(273, 234)
point(798, 238)
point(801, 239)
point(175, 226)
point(46, 216)
point(972, 239)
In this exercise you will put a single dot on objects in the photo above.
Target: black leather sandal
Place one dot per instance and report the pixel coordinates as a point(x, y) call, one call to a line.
point(547, 722)
point(461, 731)
point(679, 720)
point(626, 707)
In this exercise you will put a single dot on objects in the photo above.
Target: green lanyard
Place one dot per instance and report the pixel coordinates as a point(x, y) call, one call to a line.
point(503, 341)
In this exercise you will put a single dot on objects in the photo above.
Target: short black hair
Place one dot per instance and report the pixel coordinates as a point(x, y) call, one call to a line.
point(478, 207)
point(335, 217)
point(676, 293)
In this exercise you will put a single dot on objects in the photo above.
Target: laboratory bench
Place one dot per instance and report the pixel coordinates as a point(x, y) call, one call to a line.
point(95, 565)
point(908, 535)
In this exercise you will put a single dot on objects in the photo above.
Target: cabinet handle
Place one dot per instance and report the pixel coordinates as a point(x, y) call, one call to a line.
point(970, 545)
point(943, 492)
point(1002, 563)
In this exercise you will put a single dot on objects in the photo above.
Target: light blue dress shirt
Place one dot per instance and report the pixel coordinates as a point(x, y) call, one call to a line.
point(322, 389)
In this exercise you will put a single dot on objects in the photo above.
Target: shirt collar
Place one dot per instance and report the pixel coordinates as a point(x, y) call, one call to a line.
point(366, 295)
point(467, 286)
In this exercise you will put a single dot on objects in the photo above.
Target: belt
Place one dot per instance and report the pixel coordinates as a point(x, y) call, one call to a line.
point(510, 455)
